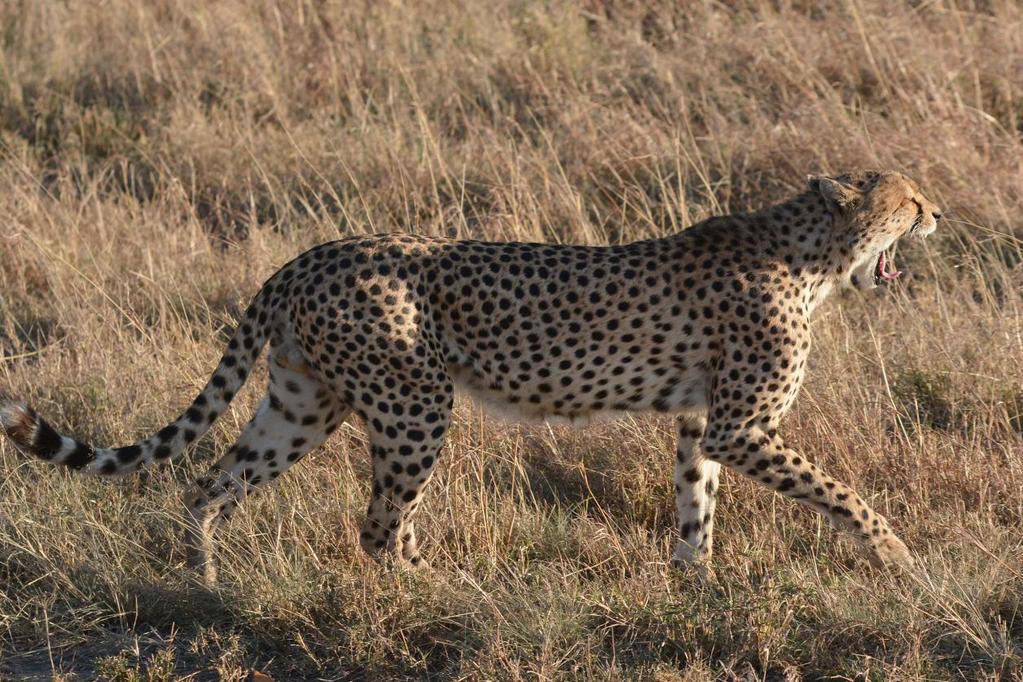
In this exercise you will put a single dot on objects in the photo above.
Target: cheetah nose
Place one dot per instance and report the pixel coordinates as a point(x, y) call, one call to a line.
point(936, 215)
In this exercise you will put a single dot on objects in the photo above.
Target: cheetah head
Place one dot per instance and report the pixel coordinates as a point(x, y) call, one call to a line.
point(872, 210)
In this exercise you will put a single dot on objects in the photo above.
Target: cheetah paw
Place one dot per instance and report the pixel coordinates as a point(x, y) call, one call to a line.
point(701, 569)
point(890, 551)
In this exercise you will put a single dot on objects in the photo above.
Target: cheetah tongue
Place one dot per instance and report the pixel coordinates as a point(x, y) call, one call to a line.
point(882, 272)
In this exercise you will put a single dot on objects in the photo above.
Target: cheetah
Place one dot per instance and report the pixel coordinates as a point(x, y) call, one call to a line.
point(710, 325)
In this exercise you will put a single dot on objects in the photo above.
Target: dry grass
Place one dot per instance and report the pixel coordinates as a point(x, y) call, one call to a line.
point(158, 160)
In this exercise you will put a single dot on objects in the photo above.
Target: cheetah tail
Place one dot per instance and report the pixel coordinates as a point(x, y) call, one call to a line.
point(33, 435)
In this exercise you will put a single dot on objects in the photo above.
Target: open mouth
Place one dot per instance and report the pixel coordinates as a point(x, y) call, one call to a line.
point(881, 272)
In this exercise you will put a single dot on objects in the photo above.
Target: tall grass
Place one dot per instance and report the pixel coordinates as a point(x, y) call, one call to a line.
point(159, 160)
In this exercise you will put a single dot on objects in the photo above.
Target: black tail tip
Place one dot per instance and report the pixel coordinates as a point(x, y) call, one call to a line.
point(20, 423)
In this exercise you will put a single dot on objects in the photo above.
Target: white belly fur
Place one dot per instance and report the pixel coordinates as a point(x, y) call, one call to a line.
point(688, 397)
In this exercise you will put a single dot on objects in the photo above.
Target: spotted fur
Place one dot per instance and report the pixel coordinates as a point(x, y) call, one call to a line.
point(711, 325)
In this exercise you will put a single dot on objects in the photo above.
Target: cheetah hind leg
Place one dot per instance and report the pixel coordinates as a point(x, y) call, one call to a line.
point(404, 454)
point(296, 416)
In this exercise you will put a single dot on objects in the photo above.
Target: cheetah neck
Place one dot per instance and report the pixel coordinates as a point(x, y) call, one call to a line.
point(805, 242)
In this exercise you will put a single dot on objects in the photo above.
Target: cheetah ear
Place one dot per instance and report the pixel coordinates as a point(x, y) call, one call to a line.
point(834, 191)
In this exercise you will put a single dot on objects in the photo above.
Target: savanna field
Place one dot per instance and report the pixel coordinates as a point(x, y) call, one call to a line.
point(159, 160)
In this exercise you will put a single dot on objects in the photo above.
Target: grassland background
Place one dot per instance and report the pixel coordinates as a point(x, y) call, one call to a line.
point(158, 160)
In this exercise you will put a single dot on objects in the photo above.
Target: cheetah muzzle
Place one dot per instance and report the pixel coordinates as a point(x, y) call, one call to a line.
point(710, 325)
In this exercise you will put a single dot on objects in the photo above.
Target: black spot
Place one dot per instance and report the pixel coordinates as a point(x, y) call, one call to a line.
point(167, 433)
point(81, 456)
point(47, 442)
point(129, 454)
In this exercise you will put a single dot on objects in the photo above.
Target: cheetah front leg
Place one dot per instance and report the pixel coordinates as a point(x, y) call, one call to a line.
point(762, 455)
point(696, 485)
point(752, 390)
